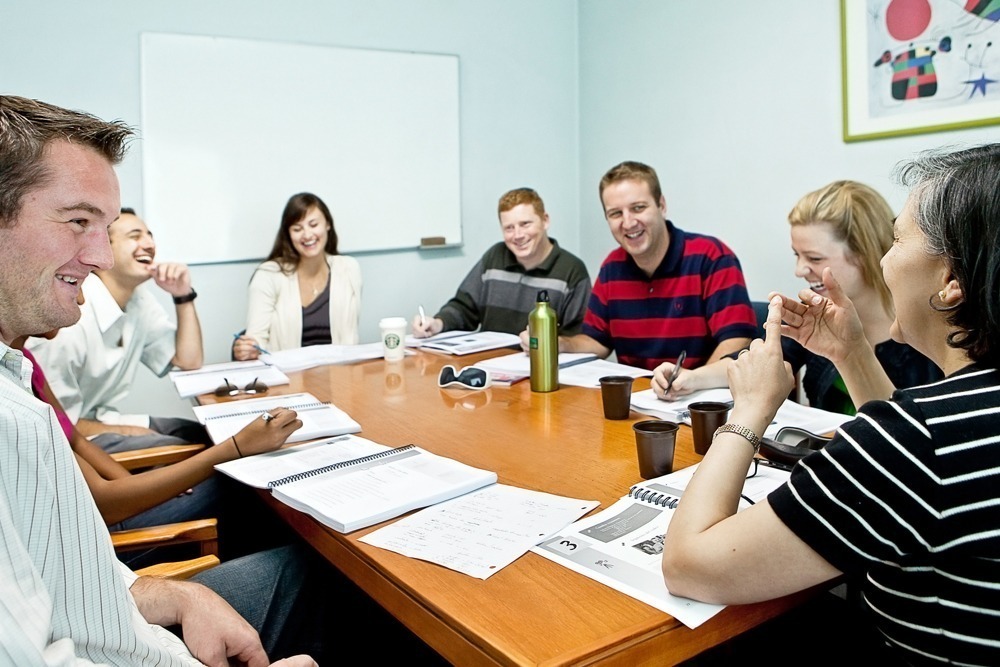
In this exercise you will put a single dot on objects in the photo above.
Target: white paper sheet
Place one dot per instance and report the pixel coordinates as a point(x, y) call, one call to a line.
point(482, 532)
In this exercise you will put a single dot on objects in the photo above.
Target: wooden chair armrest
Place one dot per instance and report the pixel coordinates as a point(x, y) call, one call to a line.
point(184, 569)
point(156, 456)
point(204, 531)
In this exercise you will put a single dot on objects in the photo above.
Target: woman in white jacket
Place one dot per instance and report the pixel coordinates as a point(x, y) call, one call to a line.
point(305, 293)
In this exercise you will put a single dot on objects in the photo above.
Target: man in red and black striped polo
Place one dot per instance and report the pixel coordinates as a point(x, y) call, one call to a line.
point(664, 290)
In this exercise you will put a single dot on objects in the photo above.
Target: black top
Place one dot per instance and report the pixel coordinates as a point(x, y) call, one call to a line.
point(825, 388)
point(316, 319)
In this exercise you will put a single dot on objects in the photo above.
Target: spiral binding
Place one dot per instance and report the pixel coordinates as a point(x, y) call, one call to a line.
point(642, 494)
point(256, 413)
point(337, 466)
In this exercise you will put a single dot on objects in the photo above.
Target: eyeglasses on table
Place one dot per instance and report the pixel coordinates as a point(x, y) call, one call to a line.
point(227, 388)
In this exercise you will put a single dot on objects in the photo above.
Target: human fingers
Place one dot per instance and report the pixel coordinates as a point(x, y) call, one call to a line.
point(295, 661)
point(525, 342)
point(833, 288)
point(661, 378)
point(772, 326)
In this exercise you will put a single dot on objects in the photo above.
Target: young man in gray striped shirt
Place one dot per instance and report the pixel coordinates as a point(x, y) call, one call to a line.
point(502, 288)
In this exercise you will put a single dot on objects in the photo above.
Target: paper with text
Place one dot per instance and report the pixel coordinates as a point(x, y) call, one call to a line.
point(789, 413)
point(360, 495)
point(622, 546)
point(482, 532)
point(319, 419)
point(262, 469)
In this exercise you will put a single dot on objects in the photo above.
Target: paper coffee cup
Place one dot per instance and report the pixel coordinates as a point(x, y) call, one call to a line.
point(393, 337)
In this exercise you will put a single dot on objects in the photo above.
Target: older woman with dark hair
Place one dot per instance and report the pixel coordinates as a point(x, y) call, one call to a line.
point(305, 293)
point(903, 500)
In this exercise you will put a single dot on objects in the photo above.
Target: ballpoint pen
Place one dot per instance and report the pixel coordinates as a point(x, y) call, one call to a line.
point(423, 316)
point(256, 346)
point(677, 370)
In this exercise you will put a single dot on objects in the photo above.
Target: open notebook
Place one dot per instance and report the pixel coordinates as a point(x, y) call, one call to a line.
point(349, 483)
point(622, 546)
point(319, 419)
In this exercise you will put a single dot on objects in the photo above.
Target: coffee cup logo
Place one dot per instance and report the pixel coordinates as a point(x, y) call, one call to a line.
point(392, 341)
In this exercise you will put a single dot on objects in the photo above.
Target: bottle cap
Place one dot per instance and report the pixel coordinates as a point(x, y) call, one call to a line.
point(543, 296)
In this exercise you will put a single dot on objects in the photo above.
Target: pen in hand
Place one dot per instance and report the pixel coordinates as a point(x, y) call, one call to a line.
point(677, 371)
point(257, 347)
point(423, 316)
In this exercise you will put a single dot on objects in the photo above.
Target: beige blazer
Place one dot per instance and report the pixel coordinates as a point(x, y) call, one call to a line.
point(274, 309)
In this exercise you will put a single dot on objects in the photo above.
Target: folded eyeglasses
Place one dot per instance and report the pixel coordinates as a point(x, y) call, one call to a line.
point(227, 388)
point(469, 377)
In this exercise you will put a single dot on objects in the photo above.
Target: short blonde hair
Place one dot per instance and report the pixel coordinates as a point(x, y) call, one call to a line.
point(632, 171)
point(861, 218)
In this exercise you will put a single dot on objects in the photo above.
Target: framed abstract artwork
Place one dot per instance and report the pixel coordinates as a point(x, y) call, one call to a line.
point(913, 66)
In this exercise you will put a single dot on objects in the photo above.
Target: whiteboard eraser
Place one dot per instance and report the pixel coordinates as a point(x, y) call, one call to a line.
point(431, 241)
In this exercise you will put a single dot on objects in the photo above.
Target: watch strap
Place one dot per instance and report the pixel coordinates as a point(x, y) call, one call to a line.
point(741, 430)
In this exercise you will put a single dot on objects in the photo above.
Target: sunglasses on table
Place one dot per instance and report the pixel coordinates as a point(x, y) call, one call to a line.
point(469, 377)
point(227, 388)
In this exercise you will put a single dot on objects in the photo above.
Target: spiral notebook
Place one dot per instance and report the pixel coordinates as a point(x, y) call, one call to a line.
point(319, 419)
point(356, 493)
point(622, 546)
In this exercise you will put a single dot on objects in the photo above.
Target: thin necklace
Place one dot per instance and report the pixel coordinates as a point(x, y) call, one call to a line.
point(317, 290)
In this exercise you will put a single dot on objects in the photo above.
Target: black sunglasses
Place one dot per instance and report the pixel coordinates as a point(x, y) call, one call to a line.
point(469, 377)
point(227, 388)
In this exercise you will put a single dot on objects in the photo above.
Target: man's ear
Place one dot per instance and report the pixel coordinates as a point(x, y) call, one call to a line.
point(663, 206)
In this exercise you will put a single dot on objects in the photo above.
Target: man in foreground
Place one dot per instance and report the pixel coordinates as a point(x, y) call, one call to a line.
point(63, 595)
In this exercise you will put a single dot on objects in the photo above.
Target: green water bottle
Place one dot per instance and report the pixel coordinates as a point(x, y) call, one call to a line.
point(544, 345)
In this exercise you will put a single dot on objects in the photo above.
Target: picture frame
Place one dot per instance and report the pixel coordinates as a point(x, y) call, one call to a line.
point(916, 66)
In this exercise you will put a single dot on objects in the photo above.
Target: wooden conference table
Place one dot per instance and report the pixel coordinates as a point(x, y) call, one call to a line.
point(534, 611)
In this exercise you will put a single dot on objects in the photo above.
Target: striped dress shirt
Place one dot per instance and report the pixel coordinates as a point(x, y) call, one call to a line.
point(64, 597)
point(906, 501)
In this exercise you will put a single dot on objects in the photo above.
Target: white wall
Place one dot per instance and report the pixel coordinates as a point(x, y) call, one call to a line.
point(737, 106)
point(518, 88)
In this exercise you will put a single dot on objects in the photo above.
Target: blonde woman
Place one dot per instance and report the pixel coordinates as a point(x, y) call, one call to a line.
point(846, 227)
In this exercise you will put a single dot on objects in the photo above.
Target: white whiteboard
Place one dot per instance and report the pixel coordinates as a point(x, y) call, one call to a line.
point(232, 128)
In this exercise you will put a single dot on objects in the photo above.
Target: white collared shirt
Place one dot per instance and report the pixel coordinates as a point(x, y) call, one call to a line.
point(92, 364)
point(64, 598)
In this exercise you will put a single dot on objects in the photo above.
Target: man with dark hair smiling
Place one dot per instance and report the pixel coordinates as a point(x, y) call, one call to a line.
point(92, 365)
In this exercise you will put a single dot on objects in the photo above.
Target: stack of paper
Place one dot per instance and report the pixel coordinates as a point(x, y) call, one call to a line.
point(479, 341)
point(353, 494)
point(260, 470)
point(579, 369)
point(413, 341)
point(206, 379)
point(789, 413)
point(301, 358)
point(319, 420)
point(482, 532)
